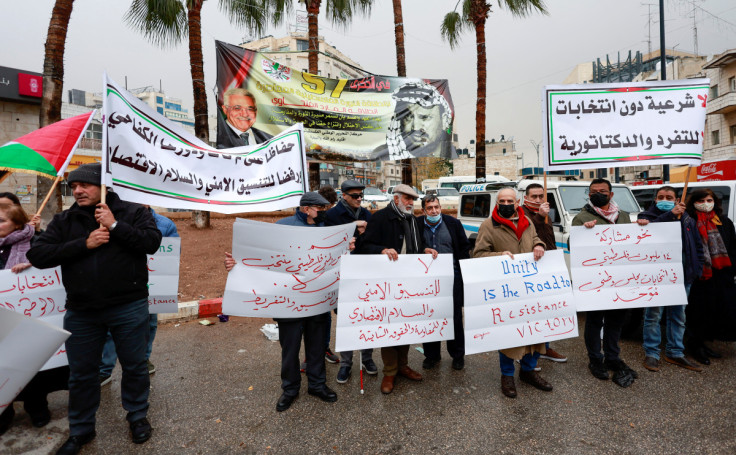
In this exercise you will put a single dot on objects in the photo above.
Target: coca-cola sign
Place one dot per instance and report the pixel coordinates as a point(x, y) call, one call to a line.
point(717, 170)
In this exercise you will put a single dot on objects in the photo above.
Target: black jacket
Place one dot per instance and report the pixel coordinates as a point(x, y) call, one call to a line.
point(338, 215)
point(112, 274)
point(385, 230)
point(460, 244)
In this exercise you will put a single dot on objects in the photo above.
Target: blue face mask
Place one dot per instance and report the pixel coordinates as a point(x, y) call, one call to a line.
point(434, 219)
point(665, 206)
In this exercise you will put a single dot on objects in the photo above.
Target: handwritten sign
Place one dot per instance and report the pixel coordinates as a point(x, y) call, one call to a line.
point(627, 266)
point(26, 343)
point(517, 302)
point(284, 271)
point(389, 303)
point(626, 124)
point(163, 277)
point(152, 160)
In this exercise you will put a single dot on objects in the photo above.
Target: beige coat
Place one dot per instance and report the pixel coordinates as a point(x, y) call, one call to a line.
point(493, 239)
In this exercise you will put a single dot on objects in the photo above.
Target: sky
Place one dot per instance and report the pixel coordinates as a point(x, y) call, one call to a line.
point(524, 54)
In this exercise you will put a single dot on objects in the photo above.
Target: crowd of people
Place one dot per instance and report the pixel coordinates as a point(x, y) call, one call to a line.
point(102, 248)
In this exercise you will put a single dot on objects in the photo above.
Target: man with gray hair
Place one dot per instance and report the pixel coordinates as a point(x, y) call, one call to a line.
point(236, 129)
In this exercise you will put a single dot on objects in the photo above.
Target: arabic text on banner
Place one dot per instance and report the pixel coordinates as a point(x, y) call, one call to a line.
point(373, 118)
point(624, 124)
point(284, 271)
point(26, 343)
point(150, 159)
point(389, 303)
point(37, 294)
point(517, 302)
point(163, 277)
point(627, 266)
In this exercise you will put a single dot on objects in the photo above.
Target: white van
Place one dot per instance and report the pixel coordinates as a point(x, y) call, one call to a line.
point(724, 189)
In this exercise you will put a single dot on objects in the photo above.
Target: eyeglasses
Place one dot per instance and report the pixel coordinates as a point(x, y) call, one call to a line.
point(355, 195)
point(238, 108)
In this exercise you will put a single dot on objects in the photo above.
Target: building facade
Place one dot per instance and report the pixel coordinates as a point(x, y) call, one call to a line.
point(720, 121)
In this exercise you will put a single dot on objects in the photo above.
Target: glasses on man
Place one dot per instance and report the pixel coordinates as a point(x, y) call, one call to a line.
point(355, 195)
point(239, 108)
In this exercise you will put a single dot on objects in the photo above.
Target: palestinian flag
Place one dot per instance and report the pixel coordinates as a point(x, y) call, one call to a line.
point(47, 150)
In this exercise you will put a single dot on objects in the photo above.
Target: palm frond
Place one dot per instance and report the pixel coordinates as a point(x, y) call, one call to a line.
point(523, 8)
point(163, 22)
point(452, 27)
point(341, 12)
point(249, 14)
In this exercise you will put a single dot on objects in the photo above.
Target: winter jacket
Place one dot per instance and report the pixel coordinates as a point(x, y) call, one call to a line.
point(460, 244)
point(544, 229)
point(385, 230)
point(588, 213)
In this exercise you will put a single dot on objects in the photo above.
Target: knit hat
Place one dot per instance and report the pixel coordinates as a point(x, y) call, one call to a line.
point(86, 173)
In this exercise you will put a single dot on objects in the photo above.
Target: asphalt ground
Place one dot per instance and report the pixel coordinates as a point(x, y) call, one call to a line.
point(216, 387)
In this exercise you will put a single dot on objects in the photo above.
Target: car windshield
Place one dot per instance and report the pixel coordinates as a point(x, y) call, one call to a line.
point(574, 198)
point(446, 192)
point(372, 192)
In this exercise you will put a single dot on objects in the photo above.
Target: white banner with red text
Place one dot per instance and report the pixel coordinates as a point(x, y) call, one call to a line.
point(163, 277)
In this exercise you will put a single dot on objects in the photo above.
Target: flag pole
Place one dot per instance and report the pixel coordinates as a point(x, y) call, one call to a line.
point(546, 218)
point(360, 353)
point(5, 175)
point(48, 195)
point(687, 180)
point(103, 196)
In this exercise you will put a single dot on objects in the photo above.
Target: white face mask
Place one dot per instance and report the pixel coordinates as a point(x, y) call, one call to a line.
point(703, 206)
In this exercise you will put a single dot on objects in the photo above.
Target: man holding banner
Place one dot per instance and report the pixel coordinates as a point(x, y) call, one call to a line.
point(510, 232)
point(101, 248)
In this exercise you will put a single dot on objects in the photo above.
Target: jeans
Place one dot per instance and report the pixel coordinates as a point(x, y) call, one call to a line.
point(128, 324)
point(675, 330)
point(109, 357)
point(528, 363)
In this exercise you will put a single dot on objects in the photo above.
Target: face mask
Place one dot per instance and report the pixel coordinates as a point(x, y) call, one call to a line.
point(704, 206)
point(434, 219)
point(506, 210)
point(665, 206)
point(321, 217)
point(598, 199)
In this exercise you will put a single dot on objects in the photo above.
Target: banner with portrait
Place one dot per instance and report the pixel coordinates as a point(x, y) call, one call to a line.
point(373, 118)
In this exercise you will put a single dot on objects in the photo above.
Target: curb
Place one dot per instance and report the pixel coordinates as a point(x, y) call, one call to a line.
point(195, 309)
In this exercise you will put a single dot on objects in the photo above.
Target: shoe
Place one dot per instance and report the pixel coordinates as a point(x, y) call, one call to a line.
point(303, 367)
point(140, 431)
point(534, 379)
point(598, 369)
point(74, 444)
point(554, 356)
point(6, 418)
point(324, 394)
point(408, 373)
point(536, 368)
point(40, 419)
point(370, 366)
point(711, 353)
point(701, 356)
point(343, 374)
point(618, 364)
point(458, 363)
point(430, 363)
point(387, 385)
point(622, 378)
point(105, 379)
point(285, 401)
point(683, 362)
point(331, 357)
point(651, 364)
point(151, 367)
point(508, 387)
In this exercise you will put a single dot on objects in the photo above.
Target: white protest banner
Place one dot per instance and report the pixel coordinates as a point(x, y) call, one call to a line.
point(517, 302)
point(163, 277)
point(152, 160)
point(624, 124)
point(26, 343)
point(284, 271)
point(37, 294)
point(627, 266)
point(389, 303)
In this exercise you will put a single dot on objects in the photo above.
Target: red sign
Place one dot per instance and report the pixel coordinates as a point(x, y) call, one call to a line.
point(30, 85)
point(717, 170)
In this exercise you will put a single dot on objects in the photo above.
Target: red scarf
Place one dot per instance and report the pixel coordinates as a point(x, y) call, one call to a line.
point(716, 255)
point(532, 205)
point(517, 228)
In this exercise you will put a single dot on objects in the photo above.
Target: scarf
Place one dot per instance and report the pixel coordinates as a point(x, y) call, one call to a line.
point(531, 205)
point(518, 228)
point(716, 256)
point(410, 230)
point(353, 212)
point(19, 242)
point(611, 214)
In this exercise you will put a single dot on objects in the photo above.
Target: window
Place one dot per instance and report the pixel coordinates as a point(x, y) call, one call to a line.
point(504, 152)
point(732, 83)
point(715, 137)
point(476, 205)
point(159, 100)
point(302, 45)
point(592, 174)
point(733, 134)
point(264, 49)
point(284, 48)
point(160, 110)
point(714, 91)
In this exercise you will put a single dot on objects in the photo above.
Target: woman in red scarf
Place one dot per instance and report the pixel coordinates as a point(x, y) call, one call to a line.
point(711, 309)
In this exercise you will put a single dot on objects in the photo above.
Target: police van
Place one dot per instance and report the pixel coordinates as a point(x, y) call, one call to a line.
point(724, 189)
point(566, 199)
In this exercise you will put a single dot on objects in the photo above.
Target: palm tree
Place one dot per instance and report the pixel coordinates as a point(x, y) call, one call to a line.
point(53, 83)
point(401, 71)
point(474, 14)
point(167, 22)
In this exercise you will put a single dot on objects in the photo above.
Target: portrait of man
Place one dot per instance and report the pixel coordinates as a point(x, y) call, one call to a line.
point(240, 112)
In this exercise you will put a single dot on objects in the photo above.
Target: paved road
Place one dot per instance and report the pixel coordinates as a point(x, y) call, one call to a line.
point(216, 389)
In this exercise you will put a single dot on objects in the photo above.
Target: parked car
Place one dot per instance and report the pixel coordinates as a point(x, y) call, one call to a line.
point(449, 197)
point(373, 198)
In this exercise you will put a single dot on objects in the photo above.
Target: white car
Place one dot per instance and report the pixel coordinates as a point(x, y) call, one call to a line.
point(449, 197)
point(373, 198)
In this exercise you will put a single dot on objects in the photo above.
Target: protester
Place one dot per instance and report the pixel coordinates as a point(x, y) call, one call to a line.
point(395, 230)
point(240, 111)
point(101, 248)
point(348, 210)
point(446, 235)
point(602, 209)
point(11, 199)
point(537, 210)
point(711, 311)
point(168, 229)
point(311, 213)
point(666, 208)
point(330, 195)
point(510, 232)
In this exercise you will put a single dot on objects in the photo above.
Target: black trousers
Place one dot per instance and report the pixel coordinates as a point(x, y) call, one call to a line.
point(290, 337)
point(456, 347)
point(611, 321)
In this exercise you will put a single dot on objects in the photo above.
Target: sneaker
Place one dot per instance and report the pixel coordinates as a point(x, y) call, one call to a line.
point(343, 374)
point(536, 368)
point(151, 367)
point(553, 356)
point(331, 357)
point(303, 367)
point(105, 379)
point(370, 366)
